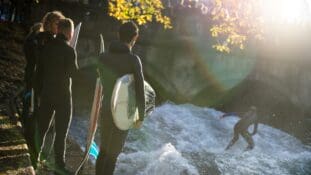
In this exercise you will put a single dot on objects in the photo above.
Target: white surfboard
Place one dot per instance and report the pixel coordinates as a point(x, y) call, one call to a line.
point(123, 102)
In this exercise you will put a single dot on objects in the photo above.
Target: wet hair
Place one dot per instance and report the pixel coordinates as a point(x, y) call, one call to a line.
point(37, 27)
point(128, 31)
point(50, 18)
point(64, 25)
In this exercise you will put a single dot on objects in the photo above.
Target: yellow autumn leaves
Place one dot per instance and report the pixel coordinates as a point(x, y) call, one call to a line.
point(141, 11)
point(234, 22)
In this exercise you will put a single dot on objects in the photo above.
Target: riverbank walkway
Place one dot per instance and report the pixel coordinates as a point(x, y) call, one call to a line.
point(14, 155)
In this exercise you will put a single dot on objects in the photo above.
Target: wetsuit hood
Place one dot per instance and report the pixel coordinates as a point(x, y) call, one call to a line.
point(118, 47)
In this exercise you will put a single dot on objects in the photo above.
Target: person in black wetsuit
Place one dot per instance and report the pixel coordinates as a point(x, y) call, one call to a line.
point(58, 67)
point(29, 51)
point(50, 27)
point(34, 78)
point(27, 119)
point(118, 61)
point(241, 127)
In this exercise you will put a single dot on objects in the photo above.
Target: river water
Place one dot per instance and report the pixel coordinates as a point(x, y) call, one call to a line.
point(190, 140)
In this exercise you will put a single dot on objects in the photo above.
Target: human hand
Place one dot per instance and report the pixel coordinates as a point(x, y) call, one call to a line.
point(137, 124)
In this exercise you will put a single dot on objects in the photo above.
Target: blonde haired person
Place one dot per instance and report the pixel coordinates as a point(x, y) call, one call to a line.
point(59, 66)
point(50, 21)
point(49, 24)
point(50, 27)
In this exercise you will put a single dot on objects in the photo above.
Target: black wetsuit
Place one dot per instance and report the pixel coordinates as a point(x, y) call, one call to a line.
point(29, 50)
point(117, 62)
point(42, 39)
point(57, 67)
point(30, 55)
point(30, 45)
point(33, 48)
point(241, 128)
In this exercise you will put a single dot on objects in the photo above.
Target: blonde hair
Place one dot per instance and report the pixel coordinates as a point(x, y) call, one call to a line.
point(50, 18)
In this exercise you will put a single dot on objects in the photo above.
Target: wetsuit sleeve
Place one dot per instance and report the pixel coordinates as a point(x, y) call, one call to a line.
point(72, 65)
point(139, 88)
point(39, 72)
point(29, 50)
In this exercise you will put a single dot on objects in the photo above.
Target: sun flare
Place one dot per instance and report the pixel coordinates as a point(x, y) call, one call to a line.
point(286, 11)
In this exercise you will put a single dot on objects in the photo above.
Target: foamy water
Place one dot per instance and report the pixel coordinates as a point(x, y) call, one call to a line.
point(190, 140)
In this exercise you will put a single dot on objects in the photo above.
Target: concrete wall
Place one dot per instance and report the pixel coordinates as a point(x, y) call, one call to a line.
point(188, 69)
point(287, 67)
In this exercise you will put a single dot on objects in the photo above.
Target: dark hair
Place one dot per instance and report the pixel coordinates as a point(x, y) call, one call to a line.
point(65, 24)
point(127, 31)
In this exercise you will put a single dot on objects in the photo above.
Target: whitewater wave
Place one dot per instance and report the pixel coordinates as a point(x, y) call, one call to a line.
point(190, 140)
point(185, 139)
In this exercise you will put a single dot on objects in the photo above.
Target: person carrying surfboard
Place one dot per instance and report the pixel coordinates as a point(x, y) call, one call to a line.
point(58, 67)
point(117, 62)
point(241, 127)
